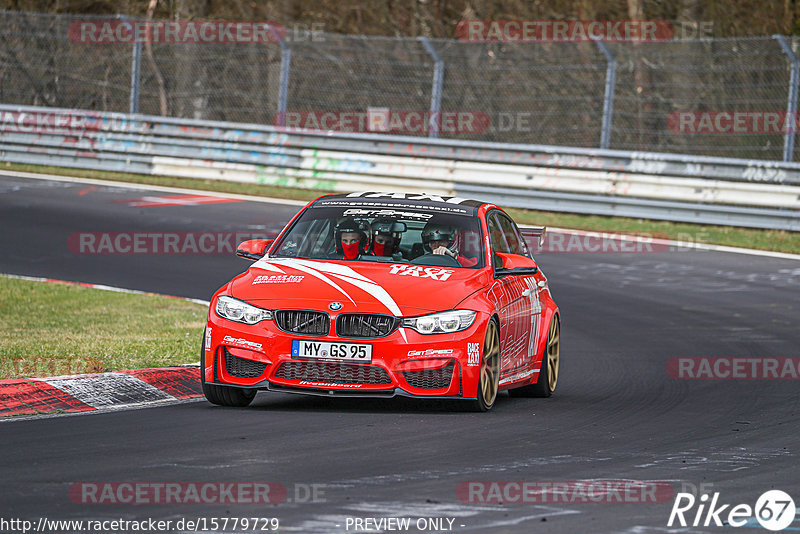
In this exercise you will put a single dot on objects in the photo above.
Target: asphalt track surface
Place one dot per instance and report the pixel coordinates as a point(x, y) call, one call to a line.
point(616, 415)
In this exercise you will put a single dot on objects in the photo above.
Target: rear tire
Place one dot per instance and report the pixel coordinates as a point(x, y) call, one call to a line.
point(489, 380)
point(548, 374)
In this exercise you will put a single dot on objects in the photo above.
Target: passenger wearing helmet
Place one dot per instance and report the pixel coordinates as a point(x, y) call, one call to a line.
point(440, 239)
point(352, 238)
point(386, 236)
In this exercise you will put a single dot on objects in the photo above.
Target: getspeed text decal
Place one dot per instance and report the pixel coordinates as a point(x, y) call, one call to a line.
point(242, 343)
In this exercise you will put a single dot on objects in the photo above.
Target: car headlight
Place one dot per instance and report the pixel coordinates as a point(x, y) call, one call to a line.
point(241, 312)
point(441, 322)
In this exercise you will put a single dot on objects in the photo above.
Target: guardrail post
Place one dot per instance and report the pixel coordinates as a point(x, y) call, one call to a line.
point(608, 96)
point(791, 104)
point(136, 75)
point(436, 89)
point(283, 88)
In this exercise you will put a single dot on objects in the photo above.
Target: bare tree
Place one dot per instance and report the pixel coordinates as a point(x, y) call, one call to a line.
point(148, 45)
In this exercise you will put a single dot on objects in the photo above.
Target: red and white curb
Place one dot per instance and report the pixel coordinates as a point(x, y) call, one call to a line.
point(101, 391)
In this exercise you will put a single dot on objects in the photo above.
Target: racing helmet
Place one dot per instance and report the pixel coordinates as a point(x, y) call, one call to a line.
point(386, 227)
point(351, 251)
point(438, 232)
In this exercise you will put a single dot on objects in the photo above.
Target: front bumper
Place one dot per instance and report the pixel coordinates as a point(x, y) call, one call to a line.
point(404, 363)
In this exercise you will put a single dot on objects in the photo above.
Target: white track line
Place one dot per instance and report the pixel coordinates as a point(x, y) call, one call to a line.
point(270, 200)
point(102, 287)
point(145, 187)
point(681, 245)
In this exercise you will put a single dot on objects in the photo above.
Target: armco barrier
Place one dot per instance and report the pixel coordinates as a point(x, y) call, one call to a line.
point(704, 190)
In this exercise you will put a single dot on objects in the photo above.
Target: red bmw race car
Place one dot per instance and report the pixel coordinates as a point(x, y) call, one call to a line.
point(383, 294)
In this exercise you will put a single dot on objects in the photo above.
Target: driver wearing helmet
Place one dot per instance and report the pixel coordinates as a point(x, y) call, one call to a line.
point(440, 239)
point(386, 236)
point(352, 238)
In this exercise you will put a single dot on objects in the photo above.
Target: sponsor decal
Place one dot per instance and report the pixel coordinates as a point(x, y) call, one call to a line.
point(518, 376)
point(418, 271)
point(431, 352)
point(360, 213)
point(208, 339)
point(733, 368)
point(407, 196)
point(242, 343)
point(277, 279)
point(565, 491)
point(329, 384)
point(473, 354)
point(536, 311)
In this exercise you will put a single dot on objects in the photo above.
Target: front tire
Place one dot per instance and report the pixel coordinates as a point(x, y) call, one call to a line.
point(548, 374)
point(228, 395)
point(489, 380)
point(223, 395)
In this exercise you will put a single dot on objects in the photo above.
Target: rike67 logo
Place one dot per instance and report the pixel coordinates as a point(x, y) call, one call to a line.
point(774, 510)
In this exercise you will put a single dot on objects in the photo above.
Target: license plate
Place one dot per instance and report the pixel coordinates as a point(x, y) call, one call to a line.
point(356, 352)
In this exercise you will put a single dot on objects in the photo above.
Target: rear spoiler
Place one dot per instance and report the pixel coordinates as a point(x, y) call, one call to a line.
point(534, 236)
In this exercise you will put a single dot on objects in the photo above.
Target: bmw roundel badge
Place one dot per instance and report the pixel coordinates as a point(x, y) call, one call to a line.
point(335, 306)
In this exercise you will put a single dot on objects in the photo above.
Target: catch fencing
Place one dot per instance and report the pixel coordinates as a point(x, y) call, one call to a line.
point(586, 94)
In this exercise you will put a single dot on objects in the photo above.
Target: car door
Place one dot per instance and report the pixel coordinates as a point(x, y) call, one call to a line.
point(532, 286)
point(515, 296)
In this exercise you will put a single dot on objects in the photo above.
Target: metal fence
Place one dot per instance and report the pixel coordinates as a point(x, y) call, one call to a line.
point(580, 94)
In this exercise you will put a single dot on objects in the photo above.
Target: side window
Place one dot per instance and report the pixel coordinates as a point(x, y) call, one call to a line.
point(496, 239)
point(513, 237)
point(496, 236)
point(309, 239)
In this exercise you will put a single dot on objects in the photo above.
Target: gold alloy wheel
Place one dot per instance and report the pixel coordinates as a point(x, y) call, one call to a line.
point(553, 353)
point(490, 366)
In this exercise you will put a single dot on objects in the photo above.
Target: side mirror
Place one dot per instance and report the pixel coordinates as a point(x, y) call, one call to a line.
point(516, 264)
point(253, 249)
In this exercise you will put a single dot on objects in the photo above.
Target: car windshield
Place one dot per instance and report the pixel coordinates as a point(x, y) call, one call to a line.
point(420, 236)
